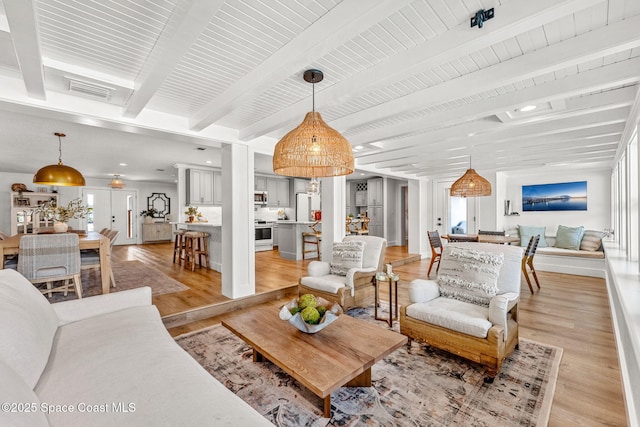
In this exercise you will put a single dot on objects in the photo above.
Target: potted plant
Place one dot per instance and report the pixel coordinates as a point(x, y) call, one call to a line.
point(191, 212)
point(60, 215)
point(148, 214)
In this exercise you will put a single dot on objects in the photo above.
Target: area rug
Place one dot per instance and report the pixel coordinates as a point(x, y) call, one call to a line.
point(128, 275)
point(420, 387)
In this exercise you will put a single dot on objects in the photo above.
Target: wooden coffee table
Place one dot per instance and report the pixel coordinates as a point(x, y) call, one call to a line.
point(341, 354)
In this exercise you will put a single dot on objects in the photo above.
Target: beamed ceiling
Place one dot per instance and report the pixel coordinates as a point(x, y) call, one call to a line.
point(415, 89)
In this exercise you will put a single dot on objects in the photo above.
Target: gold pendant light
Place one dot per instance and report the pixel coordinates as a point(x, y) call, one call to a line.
point(116, 182)
point(313, 149)
point(470, 185)
point(59, 174)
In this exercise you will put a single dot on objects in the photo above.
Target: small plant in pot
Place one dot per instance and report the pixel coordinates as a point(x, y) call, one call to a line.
point(149, 214)
point(191, 212)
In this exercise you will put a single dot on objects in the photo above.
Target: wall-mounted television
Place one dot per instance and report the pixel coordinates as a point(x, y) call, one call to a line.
point(563, 196)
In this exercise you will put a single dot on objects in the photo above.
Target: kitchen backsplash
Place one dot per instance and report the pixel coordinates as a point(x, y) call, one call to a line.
point(271, 214)
point(213, 214)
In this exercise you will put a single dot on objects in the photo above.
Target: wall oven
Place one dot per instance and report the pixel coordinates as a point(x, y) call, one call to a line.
point(264, 236)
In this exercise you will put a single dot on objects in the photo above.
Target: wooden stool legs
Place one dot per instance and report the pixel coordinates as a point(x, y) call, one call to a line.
point(178, 247)
point(196, 248)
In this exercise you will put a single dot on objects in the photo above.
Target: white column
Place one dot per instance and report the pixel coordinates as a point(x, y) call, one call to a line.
point(418, 217)
point(238, 239)
point(333, 213)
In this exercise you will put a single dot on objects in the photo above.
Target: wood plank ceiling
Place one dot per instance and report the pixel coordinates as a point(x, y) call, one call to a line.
point(414, 88)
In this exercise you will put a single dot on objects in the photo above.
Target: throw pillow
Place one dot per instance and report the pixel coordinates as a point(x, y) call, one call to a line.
point(526, 231)
point(469, 275)
point(346, 255)
point(569, 237)
point(592, 240)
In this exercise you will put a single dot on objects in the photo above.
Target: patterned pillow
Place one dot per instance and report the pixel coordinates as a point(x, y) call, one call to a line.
point(592, 240)
point(469, 275)
point(569, 237)
point(347, 255)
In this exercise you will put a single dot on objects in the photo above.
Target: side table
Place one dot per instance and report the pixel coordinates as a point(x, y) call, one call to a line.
point(393, 296)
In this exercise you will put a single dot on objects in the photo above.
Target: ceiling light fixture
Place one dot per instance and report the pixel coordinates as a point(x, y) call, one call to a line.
point(470, 185)
point(527, 108)
point(59, 174)
point(116, 182)
point(313, 149)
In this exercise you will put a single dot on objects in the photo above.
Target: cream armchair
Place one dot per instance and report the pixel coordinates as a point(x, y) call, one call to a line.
point(484, 330)
point(356, 288)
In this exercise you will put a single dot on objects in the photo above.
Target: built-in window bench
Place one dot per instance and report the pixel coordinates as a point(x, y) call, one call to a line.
point(567, 261)
point(623, 287)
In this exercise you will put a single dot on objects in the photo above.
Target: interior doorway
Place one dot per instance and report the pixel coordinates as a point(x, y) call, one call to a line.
point(112, 209)
point(454, 215)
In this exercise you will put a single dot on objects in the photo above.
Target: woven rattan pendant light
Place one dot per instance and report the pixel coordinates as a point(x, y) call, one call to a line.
point(313, 149)
point(470, 185)
point(116, 182)
point(59, 174)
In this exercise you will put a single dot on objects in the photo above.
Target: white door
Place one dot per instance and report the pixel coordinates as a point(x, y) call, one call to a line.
point(112, 209)
point(455, 215)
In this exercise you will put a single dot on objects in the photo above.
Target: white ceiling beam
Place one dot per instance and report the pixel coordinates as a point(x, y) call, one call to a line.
point(21, 16)
point(339, 25)
point(613, 75)
point(604, 41)
point(500, 133)
point(630, 127)
point(169, 51)
point(513, 18)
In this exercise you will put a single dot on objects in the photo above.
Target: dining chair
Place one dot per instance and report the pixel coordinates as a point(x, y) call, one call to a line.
point(49, 258)
point(364, 226)
point(313, 237)
point(91, 258)
point(436, 249)
point(491, 233)
point(527, 260)
point(462, 238)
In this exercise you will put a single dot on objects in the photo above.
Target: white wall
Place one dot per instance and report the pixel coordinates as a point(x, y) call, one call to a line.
point(596, 217)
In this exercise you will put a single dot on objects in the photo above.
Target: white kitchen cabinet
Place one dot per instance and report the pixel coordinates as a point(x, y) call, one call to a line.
point(260, 183)
point(274, 234)
point(374, 192)
point(217, 188)
point(156, 232)
point(278, 193)
point(300, 185)
point(376, 227)
point(200, 187)
point(361, 198)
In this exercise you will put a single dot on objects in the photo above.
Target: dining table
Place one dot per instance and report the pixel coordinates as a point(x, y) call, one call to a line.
point(485, 238)
point(89, 240)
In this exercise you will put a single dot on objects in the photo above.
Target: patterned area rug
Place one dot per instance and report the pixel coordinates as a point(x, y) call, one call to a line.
point(128, 275)
point(420, 387)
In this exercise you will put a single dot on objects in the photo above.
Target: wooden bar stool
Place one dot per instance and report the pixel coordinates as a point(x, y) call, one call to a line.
point(313, 237)
point(196, 248)
point(178, 246)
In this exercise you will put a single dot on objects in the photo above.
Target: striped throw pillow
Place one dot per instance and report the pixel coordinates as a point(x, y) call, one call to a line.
point(347, 255)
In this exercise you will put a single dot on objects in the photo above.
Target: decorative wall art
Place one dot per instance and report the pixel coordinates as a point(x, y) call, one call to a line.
point(564, 196)
point(161, 203)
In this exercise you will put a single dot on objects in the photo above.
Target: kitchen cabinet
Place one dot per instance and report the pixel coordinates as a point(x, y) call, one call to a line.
point(278, 193)
point(361, 198)
point(374, 192)
point(200, 187)
point(260, 183)
point(156, 232)
point(217, 188)
point(274, 234)
point(23, 220)
point(376, 227)
point(300, 185)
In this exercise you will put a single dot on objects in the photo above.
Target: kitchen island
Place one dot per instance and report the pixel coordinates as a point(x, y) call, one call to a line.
point(215, 239)
point(290, 238)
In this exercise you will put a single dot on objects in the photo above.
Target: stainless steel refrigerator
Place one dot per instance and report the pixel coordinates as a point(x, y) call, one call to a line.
point(305, 205)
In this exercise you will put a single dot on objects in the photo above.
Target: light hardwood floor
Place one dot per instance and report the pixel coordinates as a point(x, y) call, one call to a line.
point(571, 312)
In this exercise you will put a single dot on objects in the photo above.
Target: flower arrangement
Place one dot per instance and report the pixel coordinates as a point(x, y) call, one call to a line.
point(75, 209)
point(191, 211)
point(151, 212)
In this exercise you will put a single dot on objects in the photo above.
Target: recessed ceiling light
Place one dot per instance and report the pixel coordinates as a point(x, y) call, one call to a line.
point(362, 173)
point(358, 147)
point(123, 164)
point(208, 162)
point(527, 108)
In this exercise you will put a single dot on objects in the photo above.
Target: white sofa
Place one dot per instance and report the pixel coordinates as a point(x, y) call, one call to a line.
point(101, 361)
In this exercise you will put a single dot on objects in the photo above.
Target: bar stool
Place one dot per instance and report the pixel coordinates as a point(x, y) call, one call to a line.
point(196, 247)
point(178, 246)
point(313, 237)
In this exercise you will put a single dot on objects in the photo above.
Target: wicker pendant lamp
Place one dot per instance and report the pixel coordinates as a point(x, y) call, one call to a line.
point(313, 149)
point(59, 174)
point(470, 185)
point(116, 182)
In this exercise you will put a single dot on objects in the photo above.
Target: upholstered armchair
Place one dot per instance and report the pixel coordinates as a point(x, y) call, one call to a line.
point(348, 278)
point(472, 309)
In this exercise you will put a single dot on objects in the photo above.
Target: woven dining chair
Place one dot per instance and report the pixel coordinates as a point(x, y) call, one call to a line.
point(436, 249)
point(51, 258)
point(527, 260)
point(91, 257)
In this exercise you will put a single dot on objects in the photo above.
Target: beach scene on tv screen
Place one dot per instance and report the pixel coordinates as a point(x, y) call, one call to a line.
point(563, 196)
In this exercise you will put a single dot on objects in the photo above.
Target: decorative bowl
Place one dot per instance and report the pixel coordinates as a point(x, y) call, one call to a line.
point(332, 313)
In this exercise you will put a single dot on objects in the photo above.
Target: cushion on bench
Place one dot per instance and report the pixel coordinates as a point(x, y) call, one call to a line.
point(570, 252)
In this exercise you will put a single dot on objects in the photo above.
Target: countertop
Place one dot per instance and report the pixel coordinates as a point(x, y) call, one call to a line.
point(198, 223)
point(289, 221)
